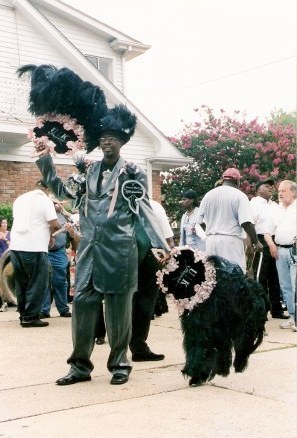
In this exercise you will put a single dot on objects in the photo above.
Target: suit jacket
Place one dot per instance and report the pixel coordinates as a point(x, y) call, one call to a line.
point(107, 252)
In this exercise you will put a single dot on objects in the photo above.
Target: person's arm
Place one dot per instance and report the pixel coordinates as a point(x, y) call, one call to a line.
point(47, 168)
point(249, 228)
point(148, 219)
point(4, 238)
point(74, 235)
point(53, 226)
point(272, 246)
point(170, 242)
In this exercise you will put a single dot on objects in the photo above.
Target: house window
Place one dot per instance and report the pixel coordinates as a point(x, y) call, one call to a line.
point(102, 64)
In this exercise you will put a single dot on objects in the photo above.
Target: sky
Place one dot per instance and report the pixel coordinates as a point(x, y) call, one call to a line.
point(226, 54)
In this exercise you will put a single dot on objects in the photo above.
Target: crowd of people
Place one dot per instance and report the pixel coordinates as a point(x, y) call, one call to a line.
point(261, 228)
point(124, 238)
point(226, 224)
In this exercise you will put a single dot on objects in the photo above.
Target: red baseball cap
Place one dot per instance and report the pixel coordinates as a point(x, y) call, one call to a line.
point(231, 173)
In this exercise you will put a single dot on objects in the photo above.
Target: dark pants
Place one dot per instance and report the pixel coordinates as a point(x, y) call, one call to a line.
point(268, 277)
point(31, 282)
point(144, 301)
point(58, 285)
point(118, 311)
point(100, 330)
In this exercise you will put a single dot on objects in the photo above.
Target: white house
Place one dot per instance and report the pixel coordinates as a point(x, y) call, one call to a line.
point(51, 32)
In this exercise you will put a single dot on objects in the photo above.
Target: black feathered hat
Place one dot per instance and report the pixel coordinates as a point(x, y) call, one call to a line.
point(120, 122)
point(68, 109)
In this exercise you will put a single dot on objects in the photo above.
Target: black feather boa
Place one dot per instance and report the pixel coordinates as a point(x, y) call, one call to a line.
point(59, 92)
point(231, 320)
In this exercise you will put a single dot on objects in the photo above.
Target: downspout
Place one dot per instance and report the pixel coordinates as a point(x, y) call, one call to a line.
point(149, 177)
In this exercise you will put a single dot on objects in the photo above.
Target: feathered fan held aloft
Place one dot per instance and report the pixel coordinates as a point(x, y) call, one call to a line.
point(68, 110)
point(222, 311)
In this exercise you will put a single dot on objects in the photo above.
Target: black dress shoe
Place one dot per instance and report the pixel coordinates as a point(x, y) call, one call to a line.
point(149, 356)
point(100, 341)
point(66, 315)
point(280, 315)
point(70, 380)
point(34, 323)
point(119, 379)
point(44, 315)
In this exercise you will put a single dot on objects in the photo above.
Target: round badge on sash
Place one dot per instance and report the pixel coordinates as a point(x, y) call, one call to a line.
point(133, 192)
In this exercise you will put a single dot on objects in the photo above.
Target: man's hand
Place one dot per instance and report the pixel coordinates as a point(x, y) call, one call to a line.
point(161, 255)
point(257, 247)
point(273, 251)
point(52, 242)
point(41, 149)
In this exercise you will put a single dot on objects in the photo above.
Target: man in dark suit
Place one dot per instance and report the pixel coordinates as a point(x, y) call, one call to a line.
point(107, 260)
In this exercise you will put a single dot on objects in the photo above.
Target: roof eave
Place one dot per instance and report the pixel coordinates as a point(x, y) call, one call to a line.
point(118, 39)
point(160, 163)
point(128, 50)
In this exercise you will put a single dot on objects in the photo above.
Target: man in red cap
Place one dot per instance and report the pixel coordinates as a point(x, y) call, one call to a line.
point(227, 214)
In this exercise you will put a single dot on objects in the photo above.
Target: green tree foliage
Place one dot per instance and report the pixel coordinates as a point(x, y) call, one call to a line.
point(216, 143)
point(280, 117)
point(6, 212)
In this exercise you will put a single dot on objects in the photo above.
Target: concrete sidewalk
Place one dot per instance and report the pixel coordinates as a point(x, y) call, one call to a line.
point(156, 402)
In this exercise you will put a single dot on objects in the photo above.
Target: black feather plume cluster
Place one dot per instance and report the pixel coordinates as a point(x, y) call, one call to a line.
point(121, 121)
point(231, 321)
point(61, 92)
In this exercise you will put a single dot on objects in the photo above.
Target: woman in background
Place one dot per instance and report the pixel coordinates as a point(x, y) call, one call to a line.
point(191, 233)
point(4, 245)
point(4, 236)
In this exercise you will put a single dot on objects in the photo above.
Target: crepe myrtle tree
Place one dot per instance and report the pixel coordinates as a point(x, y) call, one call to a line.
point(218, 142)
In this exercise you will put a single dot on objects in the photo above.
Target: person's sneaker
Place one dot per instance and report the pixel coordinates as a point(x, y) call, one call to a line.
point(100, 341)
point(34, 323)
point(289, 324)
point(4, 307)
point(294, 328)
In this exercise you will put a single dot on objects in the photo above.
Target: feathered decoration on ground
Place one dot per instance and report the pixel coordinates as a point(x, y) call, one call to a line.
point(223, 311)
point(68, 109)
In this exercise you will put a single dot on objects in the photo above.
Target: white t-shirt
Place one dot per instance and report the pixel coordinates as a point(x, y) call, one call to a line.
point(285, 220)
point(30, 229)
point(262, 215)
point(162, 219)
point(223, 210)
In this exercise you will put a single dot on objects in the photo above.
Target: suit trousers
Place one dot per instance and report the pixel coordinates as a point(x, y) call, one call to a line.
point(31, 282)
point(144, 302)
point(268, 277)
point(118, 311)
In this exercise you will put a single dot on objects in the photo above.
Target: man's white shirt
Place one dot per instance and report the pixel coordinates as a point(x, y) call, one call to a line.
point(262, 215)
point(285, 221)
point(30, 230)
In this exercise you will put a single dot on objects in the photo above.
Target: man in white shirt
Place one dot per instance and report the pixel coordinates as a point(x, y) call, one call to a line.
point(268, 277)
point(34, 220)
point(285, 219)
point(227, 214)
